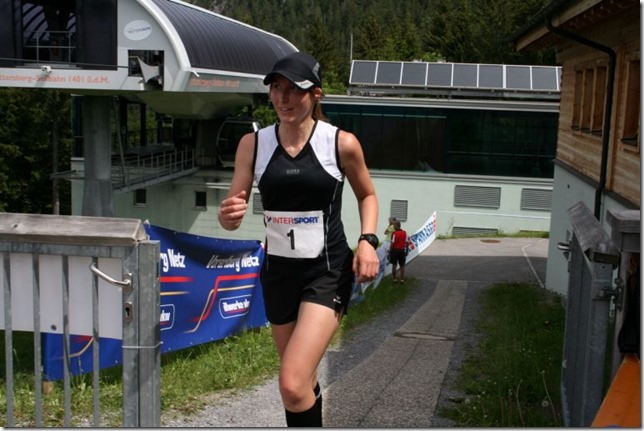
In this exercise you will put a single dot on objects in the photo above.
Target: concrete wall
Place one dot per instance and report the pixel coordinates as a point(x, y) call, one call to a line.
point(569, 189)
point(171, 205)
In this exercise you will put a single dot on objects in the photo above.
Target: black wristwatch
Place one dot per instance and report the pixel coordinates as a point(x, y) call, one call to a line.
point(370, 238)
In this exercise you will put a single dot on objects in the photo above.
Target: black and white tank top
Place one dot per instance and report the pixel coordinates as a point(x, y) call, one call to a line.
point(301, 195)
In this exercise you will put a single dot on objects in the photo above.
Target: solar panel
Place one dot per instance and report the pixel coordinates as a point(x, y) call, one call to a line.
point(363, 72)
point(388, 73)
point(414, 74)
point(545, 78)
point(517, 78)
point(455, 75)
point(490, 76)
point(439, 74)
point(465, 75)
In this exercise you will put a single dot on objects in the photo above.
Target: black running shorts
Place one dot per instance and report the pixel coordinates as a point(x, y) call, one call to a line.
point(397, 256)
point(288, 282)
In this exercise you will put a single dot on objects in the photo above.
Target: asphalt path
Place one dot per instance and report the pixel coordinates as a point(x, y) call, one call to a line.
point(400, 369)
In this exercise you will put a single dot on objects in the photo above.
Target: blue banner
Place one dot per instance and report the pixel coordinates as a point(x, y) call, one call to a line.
point(210, 289)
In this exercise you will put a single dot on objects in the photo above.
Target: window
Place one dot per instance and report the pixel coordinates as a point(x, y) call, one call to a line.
point(140, 197)
point(631, 127)
point(586, 99)
point(48, 30)
point(228, 136)
point(467, 141)
point(589, 100)
point(576, 108)
point(599, 100)
point(200, 200)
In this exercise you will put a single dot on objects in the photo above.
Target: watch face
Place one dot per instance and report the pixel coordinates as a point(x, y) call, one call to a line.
point(371, 239)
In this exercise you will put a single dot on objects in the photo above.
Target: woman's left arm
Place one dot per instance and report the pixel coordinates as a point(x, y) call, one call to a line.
point(365, 262)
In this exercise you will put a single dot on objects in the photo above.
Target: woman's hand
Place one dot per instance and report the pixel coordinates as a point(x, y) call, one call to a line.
point(232, 210)
point(365, 262)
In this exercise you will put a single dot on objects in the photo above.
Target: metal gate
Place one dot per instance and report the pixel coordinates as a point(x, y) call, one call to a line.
point(592, 259)
point(51, 268)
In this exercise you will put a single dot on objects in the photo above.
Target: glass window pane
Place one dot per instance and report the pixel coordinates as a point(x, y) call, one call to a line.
point(460, 141)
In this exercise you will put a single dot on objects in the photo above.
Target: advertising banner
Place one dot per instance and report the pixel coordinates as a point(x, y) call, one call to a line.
point(418, 242)
point(210, 289)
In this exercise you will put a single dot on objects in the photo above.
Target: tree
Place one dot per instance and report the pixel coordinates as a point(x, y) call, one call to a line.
point(34, 120)
point(452, 31)
point(467, 31)
point(481, 31)
point(368, 39)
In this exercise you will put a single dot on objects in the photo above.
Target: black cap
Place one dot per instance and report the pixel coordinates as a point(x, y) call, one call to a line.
point(300, 68)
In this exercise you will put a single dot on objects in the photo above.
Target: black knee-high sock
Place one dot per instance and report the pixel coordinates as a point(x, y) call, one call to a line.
point(318, 395)
point(308, 418)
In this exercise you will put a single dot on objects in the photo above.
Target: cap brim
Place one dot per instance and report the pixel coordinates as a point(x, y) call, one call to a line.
point(300, 82)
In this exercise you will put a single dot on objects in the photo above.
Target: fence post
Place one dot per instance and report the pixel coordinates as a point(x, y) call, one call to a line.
point(149, 310)
point(593, 258)
point(141, 338)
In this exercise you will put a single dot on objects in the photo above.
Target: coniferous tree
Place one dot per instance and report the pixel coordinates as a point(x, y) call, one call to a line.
point(30, 117)
point(468, 31)
point(368, 39)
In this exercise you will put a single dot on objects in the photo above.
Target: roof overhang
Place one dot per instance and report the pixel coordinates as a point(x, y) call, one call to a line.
point(572, 15)
point(178, 58)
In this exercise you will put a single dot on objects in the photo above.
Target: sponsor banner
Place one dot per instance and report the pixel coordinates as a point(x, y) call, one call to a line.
point(417, 242)
point(210, 289)
point(422, 238)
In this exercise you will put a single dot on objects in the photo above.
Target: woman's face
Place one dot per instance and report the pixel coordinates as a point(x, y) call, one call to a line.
point(292, 104)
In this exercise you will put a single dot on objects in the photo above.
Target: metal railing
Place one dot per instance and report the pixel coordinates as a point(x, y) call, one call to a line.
point(135, 171)
point(592, 258)
point(54, 268)
point(51, 46)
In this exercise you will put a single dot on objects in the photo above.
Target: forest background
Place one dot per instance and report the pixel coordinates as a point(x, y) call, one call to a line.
point(36, 132)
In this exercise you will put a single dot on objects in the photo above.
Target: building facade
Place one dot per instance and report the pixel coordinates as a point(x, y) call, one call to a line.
point(598, 146)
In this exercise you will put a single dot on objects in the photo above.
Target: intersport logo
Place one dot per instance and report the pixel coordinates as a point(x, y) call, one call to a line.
point(292, 220)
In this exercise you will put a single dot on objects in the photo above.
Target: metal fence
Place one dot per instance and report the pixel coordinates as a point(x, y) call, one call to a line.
point(592, 259)
point(140, 170)
point(56, 267)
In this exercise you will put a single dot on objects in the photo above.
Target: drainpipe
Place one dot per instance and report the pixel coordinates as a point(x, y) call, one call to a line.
point(608, 108)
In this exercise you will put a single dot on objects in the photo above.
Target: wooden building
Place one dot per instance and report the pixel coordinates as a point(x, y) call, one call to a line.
point(597, 43)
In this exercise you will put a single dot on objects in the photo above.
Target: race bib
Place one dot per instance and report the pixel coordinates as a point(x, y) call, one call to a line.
point(294, 234)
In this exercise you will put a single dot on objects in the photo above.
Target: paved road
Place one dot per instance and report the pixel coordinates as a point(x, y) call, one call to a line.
point(396, 371)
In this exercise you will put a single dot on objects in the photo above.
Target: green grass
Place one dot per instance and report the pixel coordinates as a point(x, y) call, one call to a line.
point(512, 378)
point(187, 375)
point(519, 234)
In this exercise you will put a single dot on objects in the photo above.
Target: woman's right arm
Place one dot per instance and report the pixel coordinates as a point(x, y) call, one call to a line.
point(232, 209)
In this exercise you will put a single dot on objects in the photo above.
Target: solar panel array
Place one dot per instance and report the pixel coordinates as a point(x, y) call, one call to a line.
point(455, 75)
